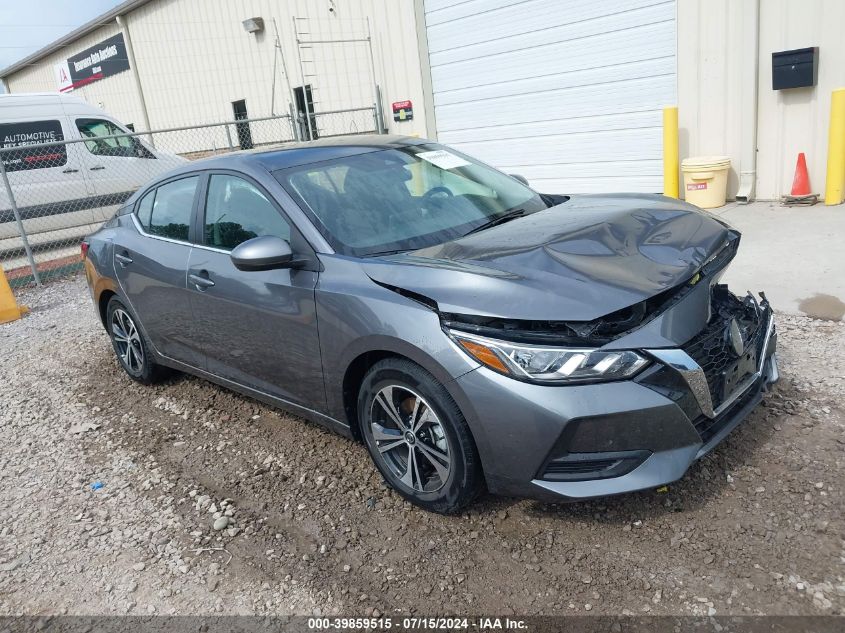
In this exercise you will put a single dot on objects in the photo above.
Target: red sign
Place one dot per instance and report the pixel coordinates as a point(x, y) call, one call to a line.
point(403, 110)
point(694, 186)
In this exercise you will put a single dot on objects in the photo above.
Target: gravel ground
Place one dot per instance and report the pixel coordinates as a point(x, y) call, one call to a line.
point(185, 498)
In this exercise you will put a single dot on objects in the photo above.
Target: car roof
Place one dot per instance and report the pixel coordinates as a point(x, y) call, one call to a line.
point(286, 155)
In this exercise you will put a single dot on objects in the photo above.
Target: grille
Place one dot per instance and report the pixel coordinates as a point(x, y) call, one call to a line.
point(708, 427)
point(712, 350)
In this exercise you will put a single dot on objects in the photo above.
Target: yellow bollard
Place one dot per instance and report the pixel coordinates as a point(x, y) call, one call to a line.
point(9, 309)
point(834, 191)
point(670, 152)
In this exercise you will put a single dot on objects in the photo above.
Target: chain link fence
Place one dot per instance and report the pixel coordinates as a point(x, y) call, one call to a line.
point(55, 190)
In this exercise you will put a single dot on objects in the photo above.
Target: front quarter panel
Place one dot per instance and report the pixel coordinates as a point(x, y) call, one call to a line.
point(357, 316)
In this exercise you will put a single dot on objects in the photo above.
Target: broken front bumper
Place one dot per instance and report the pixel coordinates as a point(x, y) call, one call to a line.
point(595, 440)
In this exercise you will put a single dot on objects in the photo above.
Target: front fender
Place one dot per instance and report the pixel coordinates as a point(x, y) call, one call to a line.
point(370, 318)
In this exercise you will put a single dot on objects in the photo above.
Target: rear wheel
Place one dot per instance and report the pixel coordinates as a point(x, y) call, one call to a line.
point(417, 437)
point(129, 344)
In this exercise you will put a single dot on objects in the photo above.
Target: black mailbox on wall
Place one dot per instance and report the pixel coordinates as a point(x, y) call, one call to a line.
point(798, 68)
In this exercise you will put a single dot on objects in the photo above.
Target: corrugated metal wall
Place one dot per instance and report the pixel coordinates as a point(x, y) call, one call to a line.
point(116, 94)
point(195, 59)
point(710, 62)
point(568, 94)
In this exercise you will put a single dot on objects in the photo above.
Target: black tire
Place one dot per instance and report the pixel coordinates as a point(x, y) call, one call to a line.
point(443, 434)
point(139, 365)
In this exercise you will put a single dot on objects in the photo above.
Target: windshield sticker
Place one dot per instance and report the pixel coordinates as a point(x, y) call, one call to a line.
point(443, 159)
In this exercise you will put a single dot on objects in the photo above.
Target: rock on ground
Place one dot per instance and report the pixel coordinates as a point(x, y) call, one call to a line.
point(185, 498)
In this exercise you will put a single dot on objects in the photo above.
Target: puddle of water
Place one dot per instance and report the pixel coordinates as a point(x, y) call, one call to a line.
point(822, 306)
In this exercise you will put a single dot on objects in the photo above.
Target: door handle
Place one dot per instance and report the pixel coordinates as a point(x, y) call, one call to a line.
point(123, 259)
point(69, 171)
point(97, 167)
point(201, 281)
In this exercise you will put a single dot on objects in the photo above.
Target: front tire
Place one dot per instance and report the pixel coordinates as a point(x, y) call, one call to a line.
point(129, 344)
point(418, 437)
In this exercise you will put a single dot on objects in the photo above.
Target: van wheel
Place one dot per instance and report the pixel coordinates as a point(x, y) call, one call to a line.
point(130, 345)
point(418, 437)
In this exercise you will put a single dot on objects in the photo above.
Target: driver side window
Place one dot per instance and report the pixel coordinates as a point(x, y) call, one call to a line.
point(96, 129)
point(237, 211)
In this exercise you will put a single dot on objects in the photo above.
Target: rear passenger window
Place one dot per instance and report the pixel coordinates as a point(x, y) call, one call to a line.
point(145, 209)
point(166, 210)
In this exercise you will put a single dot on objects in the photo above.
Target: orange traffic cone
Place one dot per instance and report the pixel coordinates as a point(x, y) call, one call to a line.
point(801, 183)
point(9, 309)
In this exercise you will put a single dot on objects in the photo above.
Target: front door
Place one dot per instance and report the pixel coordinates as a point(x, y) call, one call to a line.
point(151, 265)
point(244, 133)
point(259, 329)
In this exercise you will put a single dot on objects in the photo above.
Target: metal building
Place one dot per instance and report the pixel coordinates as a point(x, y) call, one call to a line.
point(164, 63)
point(569, 94)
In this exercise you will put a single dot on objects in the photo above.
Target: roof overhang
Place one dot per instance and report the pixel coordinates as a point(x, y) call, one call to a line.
point(85, 29)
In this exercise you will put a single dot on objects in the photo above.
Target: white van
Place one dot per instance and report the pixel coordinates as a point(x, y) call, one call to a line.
point(64, 192)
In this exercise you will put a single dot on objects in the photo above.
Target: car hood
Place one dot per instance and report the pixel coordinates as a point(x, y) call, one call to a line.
point(577, 261)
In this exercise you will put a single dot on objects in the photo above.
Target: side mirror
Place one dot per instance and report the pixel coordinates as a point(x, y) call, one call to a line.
point(521, 179)
point(267, 252)
point(139, 150)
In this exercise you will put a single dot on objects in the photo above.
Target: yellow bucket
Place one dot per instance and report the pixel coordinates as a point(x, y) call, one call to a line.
point(706, 180)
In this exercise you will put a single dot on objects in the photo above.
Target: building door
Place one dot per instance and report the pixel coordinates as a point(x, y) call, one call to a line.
point(244, 133)
point(305, 98)
point(568, 94)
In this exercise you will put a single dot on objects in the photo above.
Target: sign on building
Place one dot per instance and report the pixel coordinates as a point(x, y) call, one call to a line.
point(97, 62)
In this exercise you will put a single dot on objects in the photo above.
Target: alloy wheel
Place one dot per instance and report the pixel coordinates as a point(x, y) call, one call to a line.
point(410, 439)
point(127, 341)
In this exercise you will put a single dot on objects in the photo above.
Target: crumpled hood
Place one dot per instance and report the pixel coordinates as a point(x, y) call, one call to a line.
point(577, 261)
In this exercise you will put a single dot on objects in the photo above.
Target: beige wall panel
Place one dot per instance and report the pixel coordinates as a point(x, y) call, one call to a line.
point(115, 94)
point(709, 81)
point(194, 59)
point(710, 59)
point(792, 121)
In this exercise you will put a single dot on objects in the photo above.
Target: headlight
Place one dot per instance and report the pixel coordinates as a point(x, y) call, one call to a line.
point(541, 363)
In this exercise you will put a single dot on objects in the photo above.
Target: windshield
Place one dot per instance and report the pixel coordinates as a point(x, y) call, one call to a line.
point(403, 199)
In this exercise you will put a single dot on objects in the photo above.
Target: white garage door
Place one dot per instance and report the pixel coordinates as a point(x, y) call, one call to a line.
point(568, 93)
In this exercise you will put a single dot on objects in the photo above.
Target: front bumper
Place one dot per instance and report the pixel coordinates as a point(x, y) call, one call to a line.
point(577, 442)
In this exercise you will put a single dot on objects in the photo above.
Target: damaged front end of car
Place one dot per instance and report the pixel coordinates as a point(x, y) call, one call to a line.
point(622, 400)
point(611, 436)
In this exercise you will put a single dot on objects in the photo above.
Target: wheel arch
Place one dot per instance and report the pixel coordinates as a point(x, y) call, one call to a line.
point(364, 356)
point(103, 305)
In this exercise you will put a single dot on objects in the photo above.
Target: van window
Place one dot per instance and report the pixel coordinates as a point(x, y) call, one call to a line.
point(124, 146)
point(20, 135)
point(167, 210)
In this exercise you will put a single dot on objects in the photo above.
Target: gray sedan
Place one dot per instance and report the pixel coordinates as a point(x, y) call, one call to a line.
point(469, 331)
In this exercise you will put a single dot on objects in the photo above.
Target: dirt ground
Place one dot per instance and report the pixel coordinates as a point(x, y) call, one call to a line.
point(111, 492)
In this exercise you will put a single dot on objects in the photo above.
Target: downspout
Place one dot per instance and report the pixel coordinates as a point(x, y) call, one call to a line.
point(130, 53)
point(425, 69)
point(748, 101)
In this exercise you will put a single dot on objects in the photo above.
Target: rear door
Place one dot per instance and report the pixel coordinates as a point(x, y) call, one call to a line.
point(258, 329)
point(150, 262)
